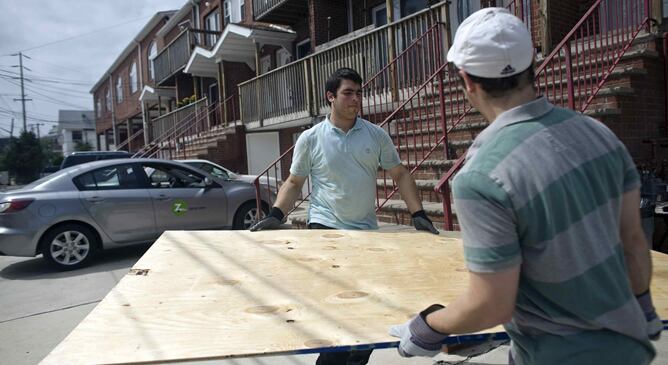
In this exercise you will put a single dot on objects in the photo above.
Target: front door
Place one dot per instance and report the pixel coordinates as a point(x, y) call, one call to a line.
point(116, 199)
point(181, 199)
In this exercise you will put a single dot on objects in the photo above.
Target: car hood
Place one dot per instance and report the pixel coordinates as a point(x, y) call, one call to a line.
point(251, 179)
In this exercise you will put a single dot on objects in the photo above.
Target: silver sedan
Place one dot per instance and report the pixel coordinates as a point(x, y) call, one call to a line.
point(70, 215)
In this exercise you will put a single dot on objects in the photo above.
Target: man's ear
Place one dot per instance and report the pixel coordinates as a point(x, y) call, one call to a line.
point(469, 85)
point(330, 96)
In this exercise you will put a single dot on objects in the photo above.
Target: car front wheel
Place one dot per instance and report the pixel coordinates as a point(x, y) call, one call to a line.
point(69, 246)
point(246, 215)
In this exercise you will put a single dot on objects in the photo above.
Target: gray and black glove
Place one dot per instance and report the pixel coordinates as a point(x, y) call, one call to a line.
point(417, 337)
point(422, 223)
point(273, 220)
point(654, 324)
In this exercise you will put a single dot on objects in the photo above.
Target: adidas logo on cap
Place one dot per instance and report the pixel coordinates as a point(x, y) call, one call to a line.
point(507, 70)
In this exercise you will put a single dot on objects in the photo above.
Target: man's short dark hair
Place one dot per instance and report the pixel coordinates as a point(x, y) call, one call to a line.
point(497, 88)
point(345, 73)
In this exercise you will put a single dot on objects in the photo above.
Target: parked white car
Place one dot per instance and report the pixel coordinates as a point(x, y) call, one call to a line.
point(223, 173)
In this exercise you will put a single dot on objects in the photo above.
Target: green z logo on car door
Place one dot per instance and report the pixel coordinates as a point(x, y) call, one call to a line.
point(180, 207)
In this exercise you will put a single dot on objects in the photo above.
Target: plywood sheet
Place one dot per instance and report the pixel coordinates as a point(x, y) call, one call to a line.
point(212, 295)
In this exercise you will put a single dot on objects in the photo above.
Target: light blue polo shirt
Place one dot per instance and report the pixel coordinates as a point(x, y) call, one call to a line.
point(343, 168)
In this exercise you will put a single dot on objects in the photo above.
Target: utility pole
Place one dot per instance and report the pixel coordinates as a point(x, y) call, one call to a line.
point(37, 127)
point(23, 94)
point(11, 129)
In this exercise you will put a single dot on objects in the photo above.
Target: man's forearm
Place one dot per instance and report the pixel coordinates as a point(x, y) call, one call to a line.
point(464, 315)
point(639, 266)
point(409, 192)
point(287, 195)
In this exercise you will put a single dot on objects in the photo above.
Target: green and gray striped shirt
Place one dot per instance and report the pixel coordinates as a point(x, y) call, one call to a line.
point(542, 188)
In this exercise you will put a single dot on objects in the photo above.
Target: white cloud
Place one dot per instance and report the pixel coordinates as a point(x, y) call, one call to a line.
point(26, 24)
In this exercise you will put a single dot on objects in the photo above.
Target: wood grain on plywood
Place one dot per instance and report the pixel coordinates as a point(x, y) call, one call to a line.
point(211, 295)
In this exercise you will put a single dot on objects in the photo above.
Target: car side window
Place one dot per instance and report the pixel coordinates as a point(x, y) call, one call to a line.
point(170, 177)
point(109, 178)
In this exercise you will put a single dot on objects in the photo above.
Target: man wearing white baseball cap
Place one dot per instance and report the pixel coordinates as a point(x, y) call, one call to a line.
point(548, 207)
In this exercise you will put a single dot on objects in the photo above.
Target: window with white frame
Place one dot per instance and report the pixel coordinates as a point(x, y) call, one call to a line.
point(119, 90)
point(212, 23)
point(152, 52)
point(134, 81)
point(107, 100)
point(242, 10)
point(98, 107)
point(227, 12)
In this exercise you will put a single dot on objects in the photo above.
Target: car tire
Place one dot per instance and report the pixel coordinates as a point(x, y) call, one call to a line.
point(245, 216)
point(69, 247)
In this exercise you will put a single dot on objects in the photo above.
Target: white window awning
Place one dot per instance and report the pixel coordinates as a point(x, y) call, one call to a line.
point(151, 94)
point(237, 44)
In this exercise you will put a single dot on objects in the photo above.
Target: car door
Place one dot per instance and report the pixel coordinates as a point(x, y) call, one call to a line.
point(119, 202)
point(182, 200)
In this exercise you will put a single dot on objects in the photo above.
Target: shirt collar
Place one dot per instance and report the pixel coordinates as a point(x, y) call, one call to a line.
point(531, 110)
point(356, 126)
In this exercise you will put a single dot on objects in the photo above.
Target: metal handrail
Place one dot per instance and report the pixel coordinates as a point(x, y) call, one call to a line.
point(579, 38)
point(130, 139)
point(402, 61)
point(305, 78)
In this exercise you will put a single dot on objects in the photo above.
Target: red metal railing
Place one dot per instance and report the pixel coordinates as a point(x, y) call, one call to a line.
point(179, 137)
point(394, 99)
point(130, 141)
point(577, 68)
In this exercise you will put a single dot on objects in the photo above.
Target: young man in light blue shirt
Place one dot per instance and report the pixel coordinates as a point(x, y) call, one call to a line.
point(342, 155)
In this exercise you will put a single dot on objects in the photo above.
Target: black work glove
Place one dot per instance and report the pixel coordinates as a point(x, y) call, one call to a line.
point(422, 223)
point(654, 324)
point(273, 220)
point(417, 337)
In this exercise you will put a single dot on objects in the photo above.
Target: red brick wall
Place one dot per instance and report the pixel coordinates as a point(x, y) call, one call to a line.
point(145, 44)
point(171, 35)
point(563, 15)
point(361, 14)
point(103, 122)
point(130, 105)
point(231, 152)
point(322, 29)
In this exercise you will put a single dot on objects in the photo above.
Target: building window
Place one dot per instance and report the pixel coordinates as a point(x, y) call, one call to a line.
point(242, 11)
point(211, 23)
point(98, 107)
point(409, 7)
point(77, 136)
point(303, 48)
point(134, 81)
point(152, 52)
point(227, 16)
point(107, 100)
point(119, 90)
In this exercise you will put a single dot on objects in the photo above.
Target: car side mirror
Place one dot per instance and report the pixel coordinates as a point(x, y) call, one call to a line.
point(208, 182)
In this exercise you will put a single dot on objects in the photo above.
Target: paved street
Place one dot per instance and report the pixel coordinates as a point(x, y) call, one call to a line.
point(39, 307)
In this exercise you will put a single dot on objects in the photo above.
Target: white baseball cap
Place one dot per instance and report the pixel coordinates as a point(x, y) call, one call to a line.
point(492, 43)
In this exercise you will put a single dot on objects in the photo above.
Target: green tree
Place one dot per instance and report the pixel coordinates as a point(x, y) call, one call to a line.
point(83, 146)
point(52, 156)
point(25, 158)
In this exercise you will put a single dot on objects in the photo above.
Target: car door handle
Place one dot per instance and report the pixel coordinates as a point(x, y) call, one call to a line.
point(95, 199)
point(162, 197)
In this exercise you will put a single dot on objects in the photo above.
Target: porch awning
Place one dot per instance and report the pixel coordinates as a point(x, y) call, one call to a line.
point(151, 94)
point(237, 44)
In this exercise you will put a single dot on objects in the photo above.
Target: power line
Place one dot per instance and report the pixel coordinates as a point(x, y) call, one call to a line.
point(56, 65)
point(84, 34)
